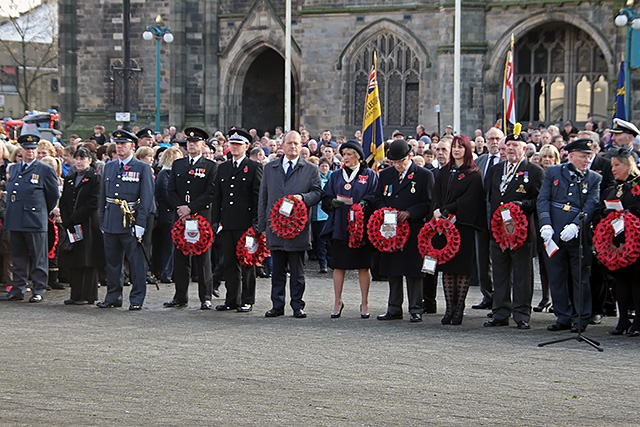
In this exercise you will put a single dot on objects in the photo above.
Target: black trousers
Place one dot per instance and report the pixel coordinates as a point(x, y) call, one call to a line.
point(240, 281)
point(295, 261)
point(29, 254)
point(84, 284)
point(396, 294)
point(201, 264)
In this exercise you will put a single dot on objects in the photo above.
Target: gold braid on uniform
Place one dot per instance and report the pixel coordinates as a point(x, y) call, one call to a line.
point(127, 212)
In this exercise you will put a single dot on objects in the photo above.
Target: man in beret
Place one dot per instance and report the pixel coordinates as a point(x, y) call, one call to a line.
point(515, 181)
point(407, 188)
point(191, 188)
point(567, 191)
point(124, 205)
point(235, 209)
point(32, 192)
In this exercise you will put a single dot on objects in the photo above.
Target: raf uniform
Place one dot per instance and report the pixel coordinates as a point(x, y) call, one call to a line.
point(32, 192)
point(563, 195)
point(518, 183)
point(124, 205)
point(192, 184)
point(412, 193)
point(235, 208)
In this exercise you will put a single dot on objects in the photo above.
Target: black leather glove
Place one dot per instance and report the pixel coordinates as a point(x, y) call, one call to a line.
point(335, 203)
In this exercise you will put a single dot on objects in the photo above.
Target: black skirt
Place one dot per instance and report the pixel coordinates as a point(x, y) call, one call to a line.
point(345, 258)
point(462, 263)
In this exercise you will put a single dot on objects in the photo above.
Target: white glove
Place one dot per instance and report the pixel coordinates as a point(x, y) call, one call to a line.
point(139, 231)
point(570, 231)
point(546, 232)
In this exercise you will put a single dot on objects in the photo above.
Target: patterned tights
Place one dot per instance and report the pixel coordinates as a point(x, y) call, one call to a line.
point(455, 287)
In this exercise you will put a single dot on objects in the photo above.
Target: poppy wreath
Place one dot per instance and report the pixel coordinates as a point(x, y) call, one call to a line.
point(429, 230)
point(251, 259)
point(381, 243)
point(54, 238)
point(288, 227)
point(516, 239)
point(612, 256)
point(197, 248)
point(355, 228)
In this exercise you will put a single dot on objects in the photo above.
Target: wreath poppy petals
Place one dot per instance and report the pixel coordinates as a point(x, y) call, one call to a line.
point(381, 243)
point(188, 248)
point(429, 230)
point(289, 227)
point(254, 258)
point(355, 228)
point(56, 238)
point(513, 240)
point(612, 256)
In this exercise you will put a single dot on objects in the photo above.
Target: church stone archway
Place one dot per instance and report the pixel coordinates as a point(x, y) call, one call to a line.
point(263, 93)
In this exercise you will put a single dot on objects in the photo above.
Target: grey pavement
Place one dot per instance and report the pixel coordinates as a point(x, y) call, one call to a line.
point(84, 366)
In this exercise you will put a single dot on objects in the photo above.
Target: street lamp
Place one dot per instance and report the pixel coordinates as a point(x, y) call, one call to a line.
point(159, 32)
point(631, 19)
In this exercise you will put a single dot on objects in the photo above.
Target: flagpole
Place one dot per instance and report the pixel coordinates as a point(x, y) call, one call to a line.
point(457, 67)
point(287, 67)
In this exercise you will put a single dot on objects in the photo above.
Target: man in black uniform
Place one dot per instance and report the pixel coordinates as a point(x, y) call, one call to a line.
point(235, 209)
point(191, 188)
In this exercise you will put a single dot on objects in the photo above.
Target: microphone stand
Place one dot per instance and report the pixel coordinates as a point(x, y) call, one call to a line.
point(578, 337)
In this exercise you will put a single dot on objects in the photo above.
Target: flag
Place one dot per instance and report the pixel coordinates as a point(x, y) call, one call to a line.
point(508, 97)
point(372, 138)
point(619, 108)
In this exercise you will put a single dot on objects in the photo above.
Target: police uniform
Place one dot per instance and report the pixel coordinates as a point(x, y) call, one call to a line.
point(563, 195)
point(512, 269)
point(235, 208)
point(32, 192)
point(125, 202)
point(192, 185)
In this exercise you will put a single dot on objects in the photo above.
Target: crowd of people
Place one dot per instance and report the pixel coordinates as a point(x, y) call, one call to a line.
point(106, 211)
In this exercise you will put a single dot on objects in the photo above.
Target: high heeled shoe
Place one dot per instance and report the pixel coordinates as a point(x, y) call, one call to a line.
point(338, 314)
point(542, 306)
point(363, 315)
point(621, 328)
point(634, 331)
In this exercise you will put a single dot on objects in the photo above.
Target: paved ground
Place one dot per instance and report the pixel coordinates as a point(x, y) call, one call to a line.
point(82, 366)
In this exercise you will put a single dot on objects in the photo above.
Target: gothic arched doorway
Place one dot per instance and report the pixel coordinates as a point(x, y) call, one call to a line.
point(263, 94)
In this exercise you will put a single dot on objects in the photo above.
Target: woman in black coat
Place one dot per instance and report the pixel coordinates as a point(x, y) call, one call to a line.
point(458, 192)
point(79, 211)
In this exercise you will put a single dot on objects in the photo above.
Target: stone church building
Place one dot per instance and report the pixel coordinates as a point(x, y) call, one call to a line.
point(225, 66)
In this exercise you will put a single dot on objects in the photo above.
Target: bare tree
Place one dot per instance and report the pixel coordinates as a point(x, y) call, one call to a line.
point(29, 40)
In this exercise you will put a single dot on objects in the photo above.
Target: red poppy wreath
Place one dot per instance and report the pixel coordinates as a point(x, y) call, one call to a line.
point(53, 229)
point(382, 243)
point(513, 235)
point(288, 227)
point(429, 230)
point(204, 237)
point(254, 255)
point(355, 226)
point(612, 256)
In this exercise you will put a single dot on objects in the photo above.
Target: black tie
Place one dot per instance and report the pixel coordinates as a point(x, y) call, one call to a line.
point(492, 160)
point(121, 166)
point(290, 169)
point(235, 165)
point(190, 161)
point(24, 166)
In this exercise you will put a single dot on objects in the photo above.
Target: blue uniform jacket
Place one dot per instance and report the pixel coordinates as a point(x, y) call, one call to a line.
point(31, 195)
point(135, 183)
point(561, 196)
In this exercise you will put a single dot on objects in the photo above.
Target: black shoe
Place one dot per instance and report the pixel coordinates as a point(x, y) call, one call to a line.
point(36, 298)
point(389, 316)
point(575, 327)
point(596, 319)
point(621, 328)
point(216, 292)
point(206, 305)
point(82, 302)
point(338, 314)
point(484, 305)
point(10, 297)
point(56, 285)
point(135, 307)
point(263, 274)
point(415, 317)
point(299, 313)
point(496, 322)
point(224, 307)
point(245, 308)
point(69, 301)
point(323, 270)
point(634, 331)
point(446, 320)
point(558, 327)
point(523, 324)
point(363, 315)
point(107, 304)
point(429, 306)
point(274, 312)
point(542, 306)
point(174, 303)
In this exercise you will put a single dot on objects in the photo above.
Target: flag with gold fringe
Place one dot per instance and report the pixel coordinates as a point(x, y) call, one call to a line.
point(372, 137)
point(508, 96)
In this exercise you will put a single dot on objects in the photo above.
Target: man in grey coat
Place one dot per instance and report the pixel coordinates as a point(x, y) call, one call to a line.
point(289, 175)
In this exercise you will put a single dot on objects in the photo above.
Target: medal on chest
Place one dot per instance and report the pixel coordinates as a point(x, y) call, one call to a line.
point(348, 178)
